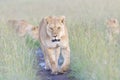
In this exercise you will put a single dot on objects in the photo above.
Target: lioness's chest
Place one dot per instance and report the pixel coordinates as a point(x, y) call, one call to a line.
point(51, 44)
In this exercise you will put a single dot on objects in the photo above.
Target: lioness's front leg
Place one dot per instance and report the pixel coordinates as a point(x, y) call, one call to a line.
point(47, 64)
point(57, 54)
point(66, 56)
point(52, 60)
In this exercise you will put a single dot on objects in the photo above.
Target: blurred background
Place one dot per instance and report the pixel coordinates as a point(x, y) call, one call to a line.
point(91, 56)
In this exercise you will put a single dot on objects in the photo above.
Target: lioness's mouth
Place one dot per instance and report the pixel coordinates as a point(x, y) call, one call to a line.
point(55, 40)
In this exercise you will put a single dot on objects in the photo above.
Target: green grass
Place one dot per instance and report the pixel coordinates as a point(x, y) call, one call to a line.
point(16, 59)
point(91, 56)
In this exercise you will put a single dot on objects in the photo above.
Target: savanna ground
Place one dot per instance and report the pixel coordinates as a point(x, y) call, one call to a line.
point(91, 56)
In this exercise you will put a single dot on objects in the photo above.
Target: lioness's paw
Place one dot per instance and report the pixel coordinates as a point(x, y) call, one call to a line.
point(54, 72)
point(63, 70)
point(46, 68)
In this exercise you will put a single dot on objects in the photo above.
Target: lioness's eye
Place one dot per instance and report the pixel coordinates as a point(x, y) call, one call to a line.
point(51, 28)
point(58, 27)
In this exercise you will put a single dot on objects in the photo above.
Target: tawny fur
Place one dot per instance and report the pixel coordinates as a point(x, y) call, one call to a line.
point(52, 28)
point(34, 33)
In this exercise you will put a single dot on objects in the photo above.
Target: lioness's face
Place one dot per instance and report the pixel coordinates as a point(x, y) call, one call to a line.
point(112, 23)
point(55, 28)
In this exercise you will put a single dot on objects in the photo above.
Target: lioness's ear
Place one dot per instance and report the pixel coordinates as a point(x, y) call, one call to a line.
point(33, 28)
point(48, 19)
point(114, 21)
point(62, 19)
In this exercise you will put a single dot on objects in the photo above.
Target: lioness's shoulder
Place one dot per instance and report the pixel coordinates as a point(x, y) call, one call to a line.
point(35, 32)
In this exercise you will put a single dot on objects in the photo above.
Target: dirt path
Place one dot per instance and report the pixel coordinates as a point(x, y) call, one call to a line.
point(45, 75)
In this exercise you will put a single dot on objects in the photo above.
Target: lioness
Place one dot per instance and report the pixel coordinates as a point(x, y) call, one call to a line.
point(22, 27)
point(53, 37)
point(113, 30)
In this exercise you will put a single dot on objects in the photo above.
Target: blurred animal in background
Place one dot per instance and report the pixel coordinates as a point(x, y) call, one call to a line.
point(113, 30)
point(21, 27)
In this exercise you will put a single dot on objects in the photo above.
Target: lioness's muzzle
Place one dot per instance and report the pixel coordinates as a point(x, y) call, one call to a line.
point(55, 40)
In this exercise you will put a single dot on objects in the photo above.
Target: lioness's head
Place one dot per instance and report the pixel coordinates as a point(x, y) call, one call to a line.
point(112, 23)
point(12, 22)
point(55, 27)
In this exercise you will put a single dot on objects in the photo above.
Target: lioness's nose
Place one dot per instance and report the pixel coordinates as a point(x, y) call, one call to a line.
point(55, 36)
